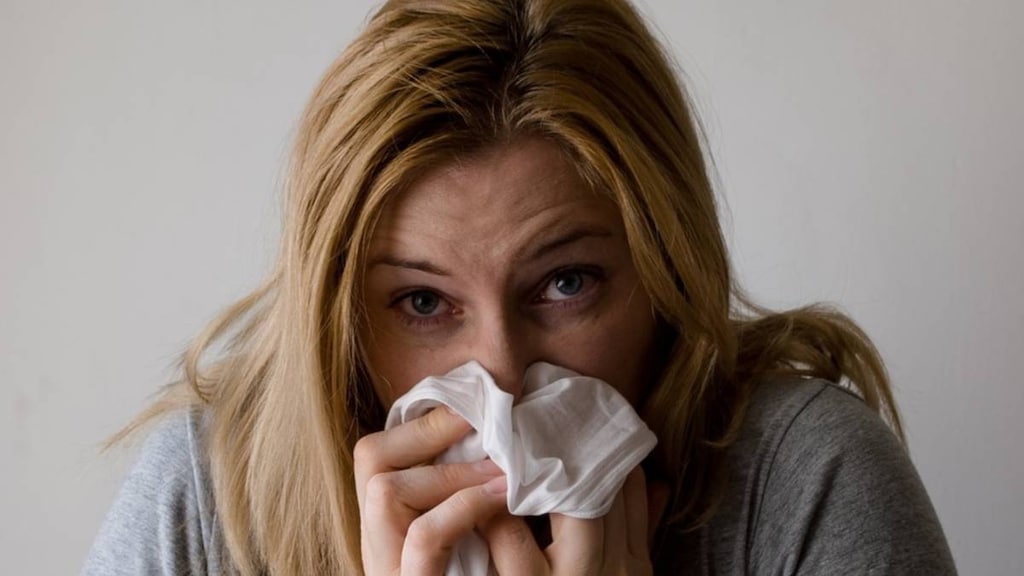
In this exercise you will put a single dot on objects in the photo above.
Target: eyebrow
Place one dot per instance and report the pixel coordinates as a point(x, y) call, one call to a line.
point(567, 238)
point(544, 249)
point(421, 265)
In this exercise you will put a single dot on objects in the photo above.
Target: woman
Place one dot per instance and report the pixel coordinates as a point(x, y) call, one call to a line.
point(513, 181)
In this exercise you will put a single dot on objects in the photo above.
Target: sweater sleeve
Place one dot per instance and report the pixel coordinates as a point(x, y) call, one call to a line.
point(842, 497)
point(159, 522)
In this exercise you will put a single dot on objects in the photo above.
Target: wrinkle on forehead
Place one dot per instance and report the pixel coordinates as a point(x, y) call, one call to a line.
point(492, 207)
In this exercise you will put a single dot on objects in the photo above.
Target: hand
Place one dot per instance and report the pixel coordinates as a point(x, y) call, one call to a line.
point(413, 513)
point(618, 543)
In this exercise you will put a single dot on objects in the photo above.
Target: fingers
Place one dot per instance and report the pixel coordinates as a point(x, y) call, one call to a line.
point(413, 515)
point(395, 499)
point(392, 489)
point(577, 545)
point(513, 548)
point(424, 487)
point(634, 496)
point(406, 445)
point(430, 538)
point(618, 542)
point(617, 530)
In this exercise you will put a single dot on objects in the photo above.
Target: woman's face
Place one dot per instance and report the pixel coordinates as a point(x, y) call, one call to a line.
point(507, 258)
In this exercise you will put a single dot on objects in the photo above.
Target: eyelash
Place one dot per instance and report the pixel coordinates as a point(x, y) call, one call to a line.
point(592, 275)
point(414, 321)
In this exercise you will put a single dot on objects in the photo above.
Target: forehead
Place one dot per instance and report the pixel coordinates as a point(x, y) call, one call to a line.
point(503, 196)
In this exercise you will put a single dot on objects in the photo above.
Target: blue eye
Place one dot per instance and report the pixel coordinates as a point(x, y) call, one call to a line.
point(424, 309)
point(565, 285)
point(569, 284)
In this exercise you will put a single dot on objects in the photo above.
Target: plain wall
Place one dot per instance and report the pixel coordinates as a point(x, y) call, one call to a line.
point(869, 153)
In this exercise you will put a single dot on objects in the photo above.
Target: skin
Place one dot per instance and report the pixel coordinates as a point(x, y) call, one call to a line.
point(507, 258)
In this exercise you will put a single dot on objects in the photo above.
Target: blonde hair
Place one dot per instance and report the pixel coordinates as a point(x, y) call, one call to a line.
point(289, 395)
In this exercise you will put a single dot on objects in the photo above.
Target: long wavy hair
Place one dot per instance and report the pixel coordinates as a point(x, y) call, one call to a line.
point(288, 392)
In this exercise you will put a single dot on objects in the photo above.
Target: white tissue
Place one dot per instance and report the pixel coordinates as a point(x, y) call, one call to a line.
point(566, 446)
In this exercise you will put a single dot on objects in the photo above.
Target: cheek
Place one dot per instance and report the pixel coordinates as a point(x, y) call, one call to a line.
point(616, 347)
point(396, 364)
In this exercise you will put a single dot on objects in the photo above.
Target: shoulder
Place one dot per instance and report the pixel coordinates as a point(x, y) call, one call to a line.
point(816, 483)
point(805, 422)
point(162, 520)
point(829, 487)
point(173, 450)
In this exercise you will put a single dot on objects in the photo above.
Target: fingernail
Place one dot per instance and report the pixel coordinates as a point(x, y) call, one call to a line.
point(487, 467)
point(497, 485)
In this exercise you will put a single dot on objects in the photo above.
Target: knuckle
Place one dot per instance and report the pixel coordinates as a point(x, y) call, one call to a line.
point(460, 502)
point(451, 475)
point(364, 454)
point(431, 425)
point(382, 490)
point(422, 533)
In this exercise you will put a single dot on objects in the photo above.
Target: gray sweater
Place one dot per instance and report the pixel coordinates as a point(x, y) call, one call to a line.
point(817, 485)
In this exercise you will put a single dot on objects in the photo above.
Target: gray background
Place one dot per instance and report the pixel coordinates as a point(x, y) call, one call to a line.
point(869, 153)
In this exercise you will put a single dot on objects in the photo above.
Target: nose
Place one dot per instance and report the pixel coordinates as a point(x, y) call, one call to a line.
point(503, 347)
